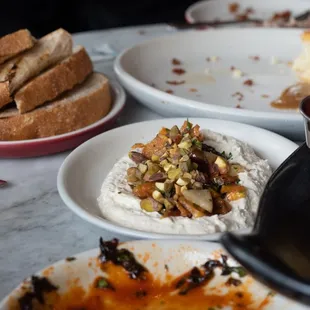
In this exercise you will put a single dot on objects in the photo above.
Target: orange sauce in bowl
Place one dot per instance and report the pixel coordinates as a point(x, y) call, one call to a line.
point(149, 294)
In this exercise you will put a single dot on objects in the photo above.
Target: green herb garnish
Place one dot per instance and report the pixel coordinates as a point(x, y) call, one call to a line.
point(103, 283)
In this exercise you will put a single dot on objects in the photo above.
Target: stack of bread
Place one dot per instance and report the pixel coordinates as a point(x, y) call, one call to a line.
point(47, 87)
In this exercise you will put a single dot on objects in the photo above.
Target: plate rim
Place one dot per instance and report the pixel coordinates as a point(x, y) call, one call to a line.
point(122, 74)
point(126, 231)
point(119, 100)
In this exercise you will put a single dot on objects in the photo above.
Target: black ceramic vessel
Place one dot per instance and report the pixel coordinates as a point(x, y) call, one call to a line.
point(277, 252)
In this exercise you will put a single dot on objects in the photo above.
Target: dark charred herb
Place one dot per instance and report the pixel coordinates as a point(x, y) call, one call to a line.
point(39, 286)
point(70, 259)
point(229, 156)
point(208, 148)
point(234, 282)
point(212, 264)
point(121, 257)
point(103, 283)
point(166, 267)
point(239, 294)
point(227, 270)
point(194, 279)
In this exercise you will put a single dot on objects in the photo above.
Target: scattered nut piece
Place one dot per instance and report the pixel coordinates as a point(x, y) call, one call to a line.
point(176, 62)
point(169, 91)
point(265, 96)
point(248, 82)
point(233, 7)
point(238, 95)
point(193, 90)
point(255, 58)
point(178, 71)
point(175, 82)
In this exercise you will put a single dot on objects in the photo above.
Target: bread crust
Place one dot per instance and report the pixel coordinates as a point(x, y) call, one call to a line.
point(80, 107)
point(50, 84)
point(15, 43)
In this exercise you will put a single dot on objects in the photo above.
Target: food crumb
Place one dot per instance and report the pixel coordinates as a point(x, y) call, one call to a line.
point(238, 95)
point(176, 62)
point(178, 71)
point(175, 82)
point(248, 82)
point(274, 60)
point(242, 17)
point(141, 32)
point(169, 91)
point(232, 68)
point(215, 58)
point(265, 96)
point(237, 73)
point(208, 59)
point(238, 106)
point(255, 58)
point(166, 267)
point(193, 90)
point(233, 7)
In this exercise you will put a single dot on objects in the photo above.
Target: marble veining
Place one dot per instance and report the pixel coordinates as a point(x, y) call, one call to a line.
point(36, 228)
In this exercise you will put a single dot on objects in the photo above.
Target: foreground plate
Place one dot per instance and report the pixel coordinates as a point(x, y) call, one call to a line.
point(68, 141)
point(210, 88)
point(179, 257)
point(82, 173)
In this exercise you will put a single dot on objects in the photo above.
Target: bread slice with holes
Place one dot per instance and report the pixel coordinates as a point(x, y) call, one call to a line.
point(53, 82)
point(15, 43)
point(48, 51)
point(83, 105)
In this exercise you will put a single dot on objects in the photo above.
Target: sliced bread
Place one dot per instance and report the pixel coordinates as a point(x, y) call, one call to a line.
point(80, 107)
point(53, 82)
point(49, 50)
point(15, 43)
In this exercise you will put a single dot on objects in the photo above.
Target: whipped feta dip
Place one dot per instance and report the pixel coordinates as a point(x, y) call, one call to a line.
point(119, 205)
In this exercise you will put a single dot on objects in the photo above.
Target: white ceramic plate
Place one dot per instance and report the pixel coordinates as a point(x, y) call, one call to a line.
point(149, 63)
point(178, 256)
point(218, 9)
point(82, 173)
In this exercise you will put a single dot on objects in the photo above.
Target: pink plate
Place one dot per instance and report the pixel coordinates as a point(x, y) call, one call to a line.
point(56, 144)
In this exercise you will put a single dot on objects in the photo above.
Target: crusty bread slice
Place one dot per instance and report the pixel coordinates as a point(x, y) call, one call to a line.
point(80, 107)
point(49, 50)
point(50, 84)
point(15, 43)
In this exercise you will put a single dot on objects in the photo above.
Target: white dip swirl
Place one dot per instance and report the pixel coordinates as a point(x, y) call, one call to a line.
point(119, 205)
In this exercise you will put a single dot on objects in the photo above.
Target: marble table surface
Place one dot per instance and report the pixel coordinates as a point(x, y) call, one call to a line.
point(36, 228)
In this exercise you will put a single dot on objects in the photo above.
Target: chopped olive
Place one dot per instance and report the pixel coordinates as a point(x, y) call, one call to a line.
point(39, 286)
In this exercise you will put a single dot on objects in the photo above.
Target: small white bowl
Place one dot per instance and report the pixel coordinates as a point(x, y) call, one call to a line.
point(83, 171)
